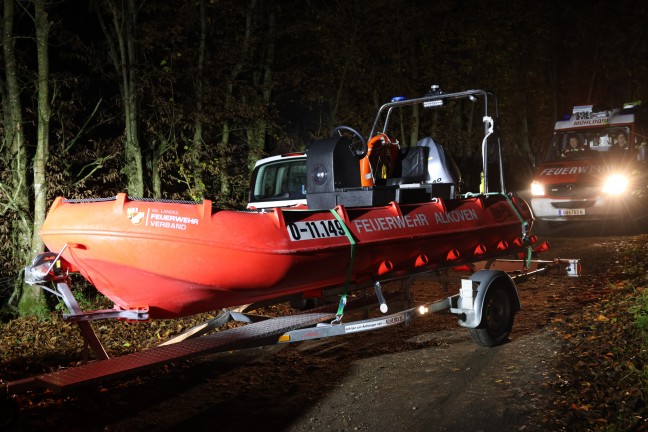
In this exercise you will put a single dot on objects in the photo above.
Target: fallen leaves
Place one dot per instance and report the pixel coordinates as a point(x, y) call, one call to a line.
point(602, 383)
point(30, 346)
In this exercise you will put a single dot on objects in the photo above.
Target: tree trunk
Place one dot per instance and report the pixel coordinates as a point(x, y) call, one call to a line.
point(31, 300)
point(42, 135)
point(224, 177)
point(199, 186)
point(555, 85)
point(122, 50)
point(415, 124)
point(158, 151)
point(229, 95)
point(524, 142)
point(257, 143)
point(594, 72)
point(340, 88)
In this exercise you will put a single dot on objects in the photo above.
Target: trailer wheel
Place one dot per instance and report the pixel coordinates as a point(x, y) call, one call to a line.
point(497, 318)
point(8, 412)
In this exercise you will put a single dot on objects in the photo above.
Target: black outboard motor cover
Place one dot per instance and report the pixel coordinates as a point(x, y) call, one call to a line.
point(331, 165)
point(334, 178)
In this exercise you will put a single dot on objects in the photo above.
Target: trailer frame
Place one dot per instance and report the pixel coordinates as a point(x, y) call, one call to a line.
point(470, 305)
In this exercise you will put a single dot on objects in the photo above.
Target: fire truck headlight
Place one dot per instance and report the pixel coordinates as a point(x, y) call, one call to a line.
point(537, 189)
point(615, 184)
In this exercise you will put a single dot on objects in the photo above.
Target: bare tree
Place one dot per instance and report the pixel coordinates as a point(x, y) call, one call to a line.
point(191, 168)
point(16, 199)
point(123, 54)
point(42, 134)
point(197, 144)
point(263, 81)
point(244, 55)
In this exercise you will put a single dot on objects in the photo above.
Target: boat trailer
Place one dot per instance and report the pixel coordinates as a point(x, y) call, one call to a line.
point(486, 304)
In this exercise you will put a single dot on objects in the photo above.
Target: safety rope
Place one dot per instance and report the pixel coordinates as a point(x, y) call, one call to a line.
point(352, 242)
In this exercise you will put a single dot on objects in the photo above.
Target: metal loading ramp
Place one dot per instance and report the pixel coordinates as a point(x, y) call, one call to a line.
point(237, 338)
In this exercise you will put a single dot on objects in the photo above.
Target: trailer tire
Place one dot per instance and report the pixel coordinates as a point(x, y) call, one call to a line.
point(497, 317)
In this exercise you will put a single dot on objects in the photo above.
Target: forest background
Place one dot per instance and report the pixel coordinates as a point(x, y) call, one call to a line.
point(177, 99)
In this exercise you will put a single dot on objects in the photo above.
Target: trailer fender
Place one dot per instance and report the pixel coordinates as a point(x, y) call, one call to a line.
point(474, 291)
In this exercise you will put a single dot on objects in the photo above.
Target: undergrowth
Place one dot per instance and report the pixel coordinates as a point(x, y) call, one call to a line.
point(640, 313)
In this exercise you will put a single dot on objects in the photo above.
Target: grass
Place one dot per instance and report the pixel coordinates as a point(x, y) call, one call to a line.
point(640, 313)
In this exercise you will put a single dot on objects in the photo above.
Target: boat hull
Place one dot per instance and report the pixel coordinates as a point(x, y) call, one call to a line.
point(178, 259)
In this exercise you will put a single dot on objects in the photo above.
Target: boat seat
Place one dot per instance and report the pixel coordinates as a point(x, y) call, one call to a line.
point(410, 167)
point(439, 166)
point(426, 165)
point(444, 177)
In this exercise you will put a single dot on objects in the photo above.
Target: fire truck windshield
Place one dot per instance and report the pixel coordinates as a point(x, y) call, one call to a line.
point(580, 144)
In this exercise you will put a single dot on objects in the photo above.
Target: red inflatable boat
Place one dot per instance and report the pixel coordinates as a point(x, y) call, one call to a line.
point(331, 217)
point(179, 259)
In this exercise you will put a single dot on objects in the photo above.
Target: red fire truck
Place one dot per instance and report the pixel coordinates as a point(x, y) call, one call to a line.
point(594, 168)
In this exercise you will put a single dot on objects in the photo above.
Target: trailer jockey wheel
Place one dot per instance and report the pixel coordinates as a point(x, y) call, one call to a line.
point(497, 318)
point(8, 412)
point(358, 151)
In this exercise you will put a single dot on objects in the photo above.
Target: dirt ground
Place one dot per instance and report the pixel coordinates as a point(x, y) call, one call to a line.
point(427, 376)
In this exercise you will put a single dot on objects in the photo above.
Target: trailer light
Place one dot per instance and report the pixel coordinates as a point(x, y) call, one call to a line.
point(40, 272)
point(422, 310)
point(615, 184)
point(46, 267)
point(574, 268)
point(537, 189)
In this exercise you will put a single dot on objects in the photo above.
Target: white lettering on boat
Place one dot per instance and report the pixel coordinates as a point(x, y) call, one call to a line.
point(169, 225)
point(390, 223)
point(455, 216)
point(172, 218)
point(169, 221)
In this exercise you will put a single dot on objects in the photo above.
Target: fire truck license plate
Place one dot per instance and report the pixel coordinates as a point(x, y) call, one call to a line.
point(571, 212)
